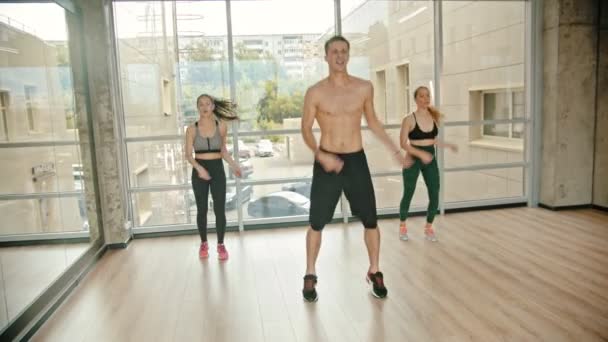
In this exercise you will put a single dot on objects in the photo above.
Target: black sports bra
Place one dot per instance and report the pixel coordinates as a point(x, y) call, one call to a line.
point(419, 134)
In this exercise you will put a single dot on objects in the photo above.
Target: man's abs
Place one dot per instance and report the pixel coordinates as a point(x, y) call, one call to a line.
point(340, 137)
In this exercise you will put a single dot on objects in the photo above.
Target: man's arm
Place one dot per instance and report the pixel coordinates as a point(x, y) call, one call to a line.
point(375, 125)
point(328, 161)
point(308, 119)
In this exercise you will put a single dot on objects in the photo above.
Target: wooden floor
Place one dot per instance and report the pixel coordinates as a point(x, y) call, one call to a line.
point(517, 274)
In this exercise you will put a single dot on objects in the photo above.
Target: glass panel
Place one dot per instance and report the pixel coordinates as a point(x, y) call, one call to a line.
point(37, 105)
point(277, 57)
point(157, 163)
point(280, 200)
point(148, 71)
point(496, 106)
point(35, 75)
point(159, 208)
point(389, 191)
point(475, 149)
point(518, 112)
point(392, 46)
point(27, 272)
point(275, 156)
point(203, 52)
point(43, 215)
point(483, 52)
point(40, 169)
point(483, 184)
point(379, 157)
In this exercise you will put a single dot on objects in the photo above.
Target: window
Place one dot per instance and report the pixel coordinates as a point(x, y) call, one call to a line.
point(380, 94)
point(4, 103)
point(30, 108)
point(166, 98)
point(503, 105)
point(403, 89)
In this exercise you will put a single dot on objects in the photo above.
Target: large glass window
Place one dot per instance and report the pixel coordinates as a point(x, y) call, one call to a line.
point(392, 46)
point(483, 79)
point(171, 52)
point(41, 178)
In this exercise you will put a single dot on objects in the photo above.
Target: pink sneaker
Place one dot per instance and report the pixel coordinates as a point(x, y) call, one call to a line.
point(203, 251)
point(222, 253)
point(403, 232)
point(429, 234)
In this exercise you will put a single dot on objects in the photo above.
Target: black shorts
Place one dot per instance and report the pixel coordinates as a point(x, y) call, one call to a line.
point(356, 181)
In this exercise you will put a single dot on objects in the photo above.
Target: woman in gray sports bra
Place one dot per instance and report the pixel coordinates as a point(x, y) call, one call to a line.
point(205, 149)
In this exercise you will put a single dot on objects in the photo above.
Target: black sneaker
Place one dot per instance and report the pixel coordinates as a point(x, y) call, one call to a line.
point(377, 281)
point(309, 292)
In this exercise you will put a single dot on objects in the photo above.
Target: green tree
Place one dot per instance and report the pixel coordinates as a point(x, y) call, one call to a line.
point(198, 52)
point(274, 107)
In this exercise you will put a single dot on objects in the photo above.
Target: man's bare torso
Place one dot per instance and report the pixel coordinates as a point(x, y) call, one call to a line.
point(338, 111)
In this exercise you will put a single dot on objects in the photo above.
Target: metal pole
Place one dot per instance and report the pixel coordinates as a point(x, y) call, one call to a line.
point(438, 70)
point(235, 133)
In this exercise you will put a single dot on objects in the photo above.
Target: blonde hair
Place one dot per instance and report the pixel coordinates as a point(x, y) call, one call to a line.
point(434, 112)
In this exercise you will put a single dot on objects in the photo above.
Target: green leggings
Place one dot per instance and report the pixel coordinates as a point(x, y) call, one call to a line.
point(430, 173)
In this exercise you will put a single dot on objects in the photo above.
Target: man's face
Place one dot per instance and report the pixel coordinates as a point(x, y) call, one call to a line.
point(337, 56)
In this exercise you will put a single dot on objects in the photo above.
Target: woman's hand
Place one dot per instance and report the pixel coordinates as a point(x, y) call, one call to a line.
point(236, 170)
point(202, 173)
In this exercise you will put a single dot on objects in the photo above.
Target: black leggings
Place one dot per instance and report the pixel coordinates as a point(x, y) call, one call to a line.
point(217, 184)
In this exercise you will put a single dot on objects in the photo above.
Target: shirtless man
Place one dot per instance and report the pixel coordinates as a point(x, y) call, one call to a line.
point(337, 103)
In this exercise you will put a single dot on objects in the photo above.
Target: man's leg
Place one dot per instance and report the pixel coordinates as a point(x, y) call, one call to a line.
point(313, 245)
point(372, 241)
point(359, 191)
point(324, 195)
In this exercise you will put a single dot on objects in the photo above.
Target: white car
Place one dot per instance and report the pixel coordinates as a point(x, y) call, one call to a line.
point(264, 148)
point(244, 151)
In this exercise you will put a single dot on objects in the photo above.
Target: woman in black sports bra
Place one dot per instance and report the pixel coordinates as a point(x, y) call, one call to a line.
point(207, 139)
point(418, 138)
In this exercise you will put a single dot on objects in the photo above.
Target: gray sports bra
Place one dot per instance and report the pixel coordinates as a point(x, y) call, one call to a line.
point(212, 144)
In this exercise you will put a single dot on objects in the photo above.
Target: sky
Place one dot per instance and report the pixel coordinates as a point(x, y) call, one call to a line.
point(47, 21)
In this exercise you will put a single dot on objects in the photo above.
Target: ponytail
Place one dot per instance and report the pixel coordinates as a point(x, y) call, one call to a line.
point(224, 109)
point(435, 114)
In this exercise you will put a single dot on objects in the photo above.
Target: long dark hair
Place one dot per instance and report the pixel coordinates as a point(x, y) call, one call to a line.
point(224, 109)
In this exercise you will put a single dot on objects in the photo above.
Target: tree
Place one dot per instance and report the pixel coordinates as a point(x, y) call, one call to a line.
point(274, 107)
point(241, 52)
point(198, 52)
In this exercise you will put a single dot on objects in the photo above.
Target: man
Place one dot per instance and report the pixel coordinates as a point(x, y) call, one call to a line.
point(337, 103)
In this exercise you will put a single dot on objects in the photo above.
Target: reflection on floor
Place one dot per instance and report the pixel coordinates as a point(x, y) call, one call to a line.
point(518, 274)
point(26, 271)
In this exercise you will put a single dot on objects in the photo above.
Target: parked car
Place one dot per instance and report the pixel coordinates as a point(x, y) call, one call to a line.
point(244, 151)
point(303, 188)
point(277, 204)
point(246, 168)
point(264, 148)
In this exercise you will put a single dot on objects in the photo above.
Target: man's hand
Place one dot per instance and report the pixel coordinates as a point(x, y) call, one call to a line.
point(329, 161)
point(400, 158)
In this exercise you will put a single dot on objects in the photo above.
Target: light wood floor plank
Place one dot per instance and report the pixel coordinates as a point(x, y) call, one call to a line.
point(520, 274)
